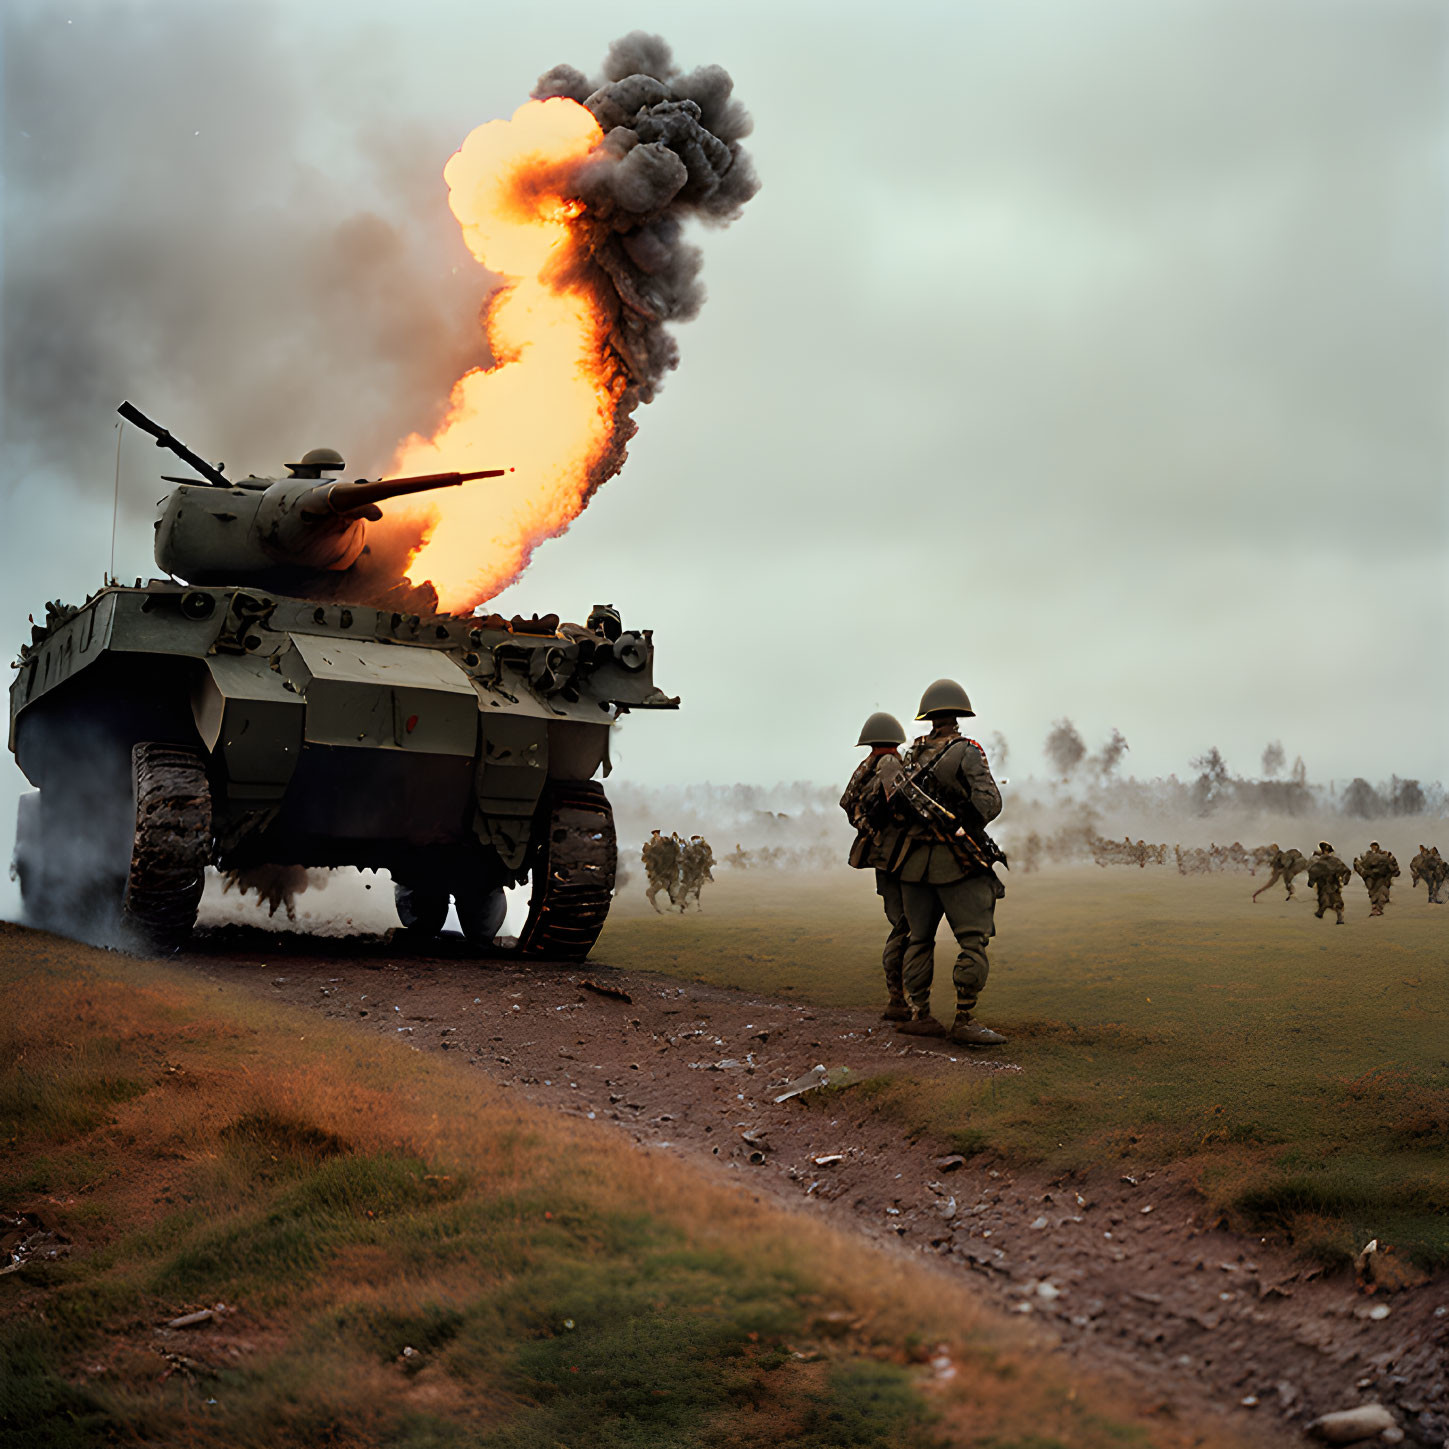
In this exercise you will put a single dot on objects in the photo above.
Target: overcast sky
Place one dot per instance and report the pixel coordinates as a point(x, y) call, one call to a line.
point(1093, 353)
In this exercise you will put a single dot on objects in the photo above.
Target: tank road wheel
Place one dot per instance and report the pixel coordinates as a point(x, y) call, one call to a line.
point(172, 843)
point(572, 867)
point(481, 913)
point(420, 909)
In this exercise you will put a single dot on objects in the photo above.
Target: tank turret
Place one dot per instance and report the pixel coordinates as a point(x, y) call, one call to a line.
point(271, 532)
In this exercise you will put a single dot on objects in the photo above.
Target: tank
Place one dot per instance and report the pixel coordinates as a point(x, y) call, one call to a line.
point(267, 706)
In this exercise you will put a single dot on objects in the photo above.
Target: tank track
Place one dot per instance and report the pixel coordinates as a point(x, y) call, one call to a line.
point(573, 874)
point(172, 844)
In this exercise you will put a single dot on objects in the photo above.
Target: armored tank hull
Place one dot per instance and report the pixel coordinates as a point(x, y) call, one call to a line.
point(168, 728)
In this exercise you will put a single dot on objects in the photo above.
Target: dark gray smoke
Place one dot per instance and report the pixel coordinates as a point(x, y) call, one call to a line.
point(1110, 755)
point(170, 237)
point(671, 151)
point(1064, 748)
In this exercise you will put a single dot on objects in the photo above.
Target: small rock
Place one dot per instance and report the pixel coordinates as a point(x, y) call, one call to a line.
point(1039, 1223)
point(950, 1163)
point(1350, 1426)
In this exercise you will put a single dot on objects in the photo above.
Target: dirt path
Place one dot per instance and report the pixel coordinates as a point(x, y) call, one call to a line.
point(1121, 1263)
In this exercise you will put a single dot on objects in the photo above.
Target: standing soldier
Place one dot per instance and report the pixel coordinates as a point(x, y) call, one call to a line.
point(694, 870)
point(661, 864)
point(878, 842)
point(1328, 875)
point(950, 875)
point(1377, 869)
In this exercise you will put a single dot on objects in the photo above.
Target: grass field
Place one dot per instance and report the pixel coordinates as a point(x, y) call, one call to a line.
point(1297, 1069)
point(415, 1259)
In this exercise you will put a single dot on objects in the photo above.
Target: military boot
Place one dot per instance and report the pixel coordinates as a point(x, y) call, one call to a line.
point(966, 1032)
point(897, 1008)
point(922, 1023)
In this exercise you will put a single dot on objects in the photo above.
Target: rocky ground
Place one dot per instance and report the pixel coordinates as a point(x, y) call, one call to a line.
point(1120, 1262)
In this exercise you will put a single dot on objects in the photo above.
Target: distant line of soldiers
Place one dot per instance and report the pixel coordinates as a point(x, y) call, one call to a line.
point(677, 867)
point(1126, 852)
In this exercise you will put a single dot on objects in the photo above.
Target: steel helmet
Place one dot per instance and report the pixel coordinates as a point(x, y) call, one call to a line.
point(324, 460)
point(945, 696)
point(882, 729)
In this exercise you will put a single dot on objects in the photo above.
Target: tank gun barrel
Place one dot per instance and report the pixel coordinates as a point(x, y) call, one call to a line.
point(133, 414)
point(345, 498)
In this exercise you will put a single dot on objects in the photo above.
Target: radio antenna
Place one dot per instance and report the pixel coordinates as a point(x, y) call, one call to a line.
point(116, 499)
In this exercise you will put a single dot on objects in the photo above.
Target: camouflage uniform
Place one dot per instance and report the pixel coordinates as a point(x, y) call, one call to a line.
point(694, 870)
point(935, 883)
point(661, 864)
point(1377, 868)
point(1285, 865)
point(878, 842)
point(1431, 868)
point(1328, 875)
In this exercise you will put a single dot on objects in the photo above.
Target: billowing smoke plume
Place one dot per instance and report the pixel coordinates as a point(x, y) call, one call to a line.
point(1064, 748)
point(1110, 755)
point(182, 229)
point(671, 151)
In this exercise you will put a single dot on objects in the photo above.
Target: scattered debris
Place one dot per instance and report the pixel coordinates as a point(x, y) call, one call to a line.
point(1349, 1426)
point(614, 993)
point(202, 1315)
point(829, 1159)
point(25, 1239)
point(817, 1076)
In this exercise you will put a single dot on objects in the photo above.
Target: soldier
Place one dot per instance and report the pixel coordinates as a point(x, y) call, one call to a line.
point(1377, 869)
point(1328, 875)
point(878, 842)
point(1284, 864)
point(936, 877)
point(1437, 876)
point(694, 870)
point(661, 864)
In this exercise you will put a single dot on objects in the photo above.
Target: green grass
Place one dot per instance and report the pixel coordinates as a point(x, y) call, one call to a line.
point(415, 1259)
point(1297, 1070)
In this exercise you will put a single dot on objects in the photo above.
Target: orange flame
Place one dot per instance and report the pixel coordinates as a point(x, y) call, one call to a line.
point(546, 408)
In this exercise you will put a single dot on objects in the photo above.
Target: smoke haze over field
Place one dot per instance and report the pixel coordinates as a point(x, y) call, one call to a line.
point(1107, 375)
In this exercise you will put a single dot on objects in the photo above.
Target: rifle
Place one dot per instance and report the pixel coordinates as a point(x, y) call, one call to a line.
point(973, 848)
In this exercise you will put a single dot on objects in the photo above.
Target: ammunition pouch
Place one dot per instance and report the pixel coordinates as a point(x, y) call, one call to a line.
point(956, 825)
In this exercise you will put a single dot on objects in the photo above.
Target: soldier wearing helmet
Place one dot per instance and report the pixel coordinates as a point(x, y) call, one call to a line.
point(936, 882)
point(1377, 868)
point(878, 841)
point(316, 462)
point(1328, 875)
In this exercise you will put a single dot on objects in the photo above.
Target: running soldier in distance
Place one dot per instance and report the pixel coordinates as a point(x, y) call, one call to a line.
point(951, 877)
point(1328, 875)
point(661, 864)
point(1285, 864)
point(1431, 868)
point(694, 870)
point(1377, 868)
point(878, 842)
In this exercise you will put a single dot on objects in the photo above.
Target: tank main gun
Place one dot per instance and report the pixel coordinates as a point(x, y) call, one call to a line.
point(271, 532)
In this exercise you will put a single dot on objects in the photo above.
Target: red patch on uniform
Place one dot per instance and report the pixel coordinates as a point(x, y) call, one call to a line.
point(412, 724)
